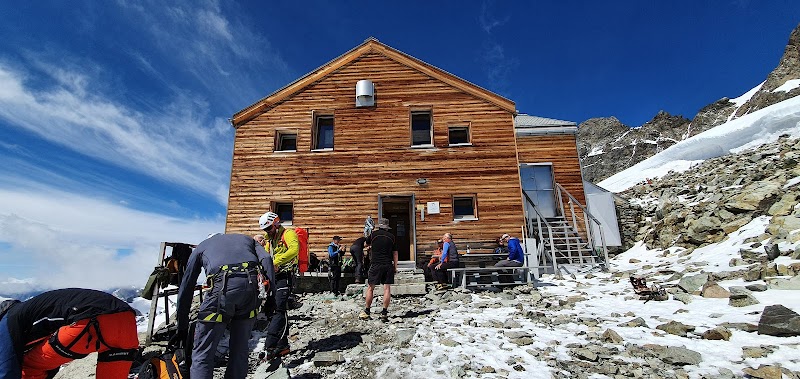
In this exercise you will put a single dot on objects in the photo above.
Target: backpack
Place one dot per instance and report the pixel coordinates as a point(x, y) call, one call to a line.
point(164, 366)
point(302, 254)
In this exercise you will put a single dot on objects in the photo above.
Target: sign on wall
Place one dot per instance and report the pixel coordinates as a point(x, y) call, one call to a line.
point(433, 207)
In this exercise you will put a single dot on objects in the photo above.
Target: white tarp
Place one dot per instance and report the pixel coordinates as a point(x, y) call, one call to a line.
point(601, 205)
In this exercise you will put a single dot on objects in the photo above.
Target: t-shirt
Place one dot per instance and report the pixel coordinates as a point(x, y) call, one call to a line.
point(383, 245)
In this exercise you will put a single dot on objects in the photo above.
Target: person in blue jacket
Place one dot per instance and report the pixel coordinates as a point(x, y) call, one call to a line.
point(335, 257)
point(516, 257)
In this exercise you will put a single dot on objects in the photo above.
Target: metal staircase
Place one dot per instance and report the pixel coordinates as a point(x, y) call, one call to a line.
point(567, 244)
point(560, 243)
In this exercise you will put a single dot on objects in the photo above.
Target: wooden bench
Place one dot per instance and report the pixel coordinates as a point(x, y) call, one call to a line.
point(488, 276)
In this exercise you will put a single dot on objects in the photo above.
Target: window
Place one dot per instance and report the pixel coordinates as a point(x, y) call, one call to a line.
point(464, 208)
point(458, 135)
point(285, 141)
point(323, 132)
point(421, 129)
point(285, 211)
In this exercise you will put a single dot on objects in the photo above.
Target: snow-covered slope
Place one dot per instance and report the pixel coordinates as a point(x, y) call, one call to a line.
point(748, 131)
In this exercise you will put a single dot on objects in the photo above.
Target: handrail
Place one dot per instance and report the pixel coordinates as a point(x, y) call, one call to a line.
point(550, 233)
point(587, 218)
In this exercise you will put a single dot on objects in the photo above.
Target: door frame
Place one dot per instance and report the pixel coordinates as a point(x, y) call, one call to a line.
point(557, 207)
point(412, 253)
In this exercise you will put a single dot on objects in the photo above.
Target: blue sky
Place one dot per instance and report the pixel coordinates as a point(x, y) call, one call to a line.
point(113, 114)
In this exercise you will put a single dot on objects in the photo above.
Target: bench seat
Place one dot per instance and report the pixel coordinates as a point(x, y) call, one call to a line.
point(488, 276)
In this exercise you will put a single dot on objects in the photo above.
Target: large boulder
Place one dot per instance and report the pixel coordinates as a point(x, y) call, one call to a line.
point(764, 372)
point(714, 291)
point(693, 283)
point(676, 328)
point(741, 297)
point(777, 320)
point(784, 284)
point(678, 356)
point(756, 196)
point(703, 229)
point(783, 224)
point(718, 333)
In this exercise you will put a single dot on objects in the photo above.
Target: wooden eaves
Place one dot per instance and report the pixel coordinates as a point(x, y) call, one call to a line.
point(369, 46)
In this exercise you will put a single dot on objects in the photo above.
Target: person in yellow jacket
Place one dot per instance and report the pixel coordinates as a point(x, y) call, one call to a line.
point(284, 246)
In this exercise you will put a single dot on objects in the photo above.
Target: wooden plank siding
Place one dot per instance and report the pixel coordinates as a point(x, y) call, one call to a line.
point(333, 191)
point(562, 152)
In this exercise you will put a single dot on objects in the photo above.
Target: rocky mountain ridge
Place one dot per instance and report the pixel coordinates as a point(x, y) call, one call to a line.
point(711, 200)
point(606, 146)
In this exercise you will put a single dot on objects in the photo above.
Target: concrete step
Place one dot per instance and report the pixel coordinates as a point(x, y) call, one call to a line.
point(406, 266)
point(408, 278)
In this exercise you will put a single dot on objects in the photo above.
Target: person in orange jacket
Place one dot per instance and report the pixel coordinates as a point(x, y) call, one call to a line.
point(41, 334)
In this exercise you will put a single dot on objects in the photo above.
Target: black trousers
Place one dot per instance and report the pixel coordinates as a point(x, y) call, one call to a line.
point(278, 330)
point(358, 256)
point(441, 274)
point(334, 277)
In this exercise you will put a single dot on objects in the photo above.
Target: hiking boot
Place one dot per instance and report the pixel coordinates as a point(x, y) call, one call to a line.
point(364, 315)
point(277, 352)
point(384, 315)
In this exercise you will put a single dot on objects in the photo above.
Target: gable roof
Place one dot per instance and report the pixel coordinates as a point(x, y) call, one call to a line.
point(371, 45)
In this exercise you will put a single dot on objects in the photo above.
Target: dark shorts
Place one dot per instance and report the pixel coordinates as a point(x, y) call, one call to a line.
point(381, 274)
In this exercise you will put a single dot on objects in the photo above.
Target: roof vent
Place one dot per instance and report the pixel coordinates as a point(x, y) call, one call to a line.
point(365, 94)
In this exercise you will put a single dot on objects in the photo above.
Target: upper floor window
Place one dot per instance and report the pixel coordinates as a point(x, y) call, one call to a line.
point(285, 211)
point(464, 207)
point(285, 141)
point(421, 128)
point(323, 132)
point(458, 135)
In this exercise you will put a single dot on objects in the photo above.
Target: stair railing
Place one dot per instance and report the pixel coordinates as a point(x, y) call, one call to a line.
point(588, 220)
point(541, 221)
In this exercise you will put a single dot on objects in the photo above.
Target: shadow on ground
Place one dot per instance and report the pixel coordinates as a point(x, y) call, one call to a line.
point(344, 341)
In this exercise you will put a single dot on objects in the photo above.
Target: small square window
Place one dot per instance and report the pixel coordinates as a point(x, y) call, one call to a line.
point(285, 211)
point(458, 135)
point(285, 141)
point(464, 208)
point(421, 128)
point(323, 132)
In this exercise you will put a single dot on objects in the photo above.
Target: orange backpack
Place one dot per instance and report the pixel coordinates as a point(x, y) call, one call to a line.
point(302, 254)
point(164, 366)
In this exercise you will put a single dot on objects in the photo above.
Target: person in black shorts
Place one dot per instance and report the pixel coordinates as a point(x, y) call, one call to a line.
point(383, 265)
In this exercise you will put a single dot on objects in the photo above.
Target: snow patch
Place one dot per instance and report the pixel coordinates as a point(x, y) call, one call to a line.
point(749, 131)
point(739, 101)
point(596, 151)
point(788, 86)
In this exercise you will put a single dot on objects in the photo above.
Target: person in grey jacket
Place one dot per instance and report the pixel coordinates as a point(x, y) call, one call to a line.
point(231, 263)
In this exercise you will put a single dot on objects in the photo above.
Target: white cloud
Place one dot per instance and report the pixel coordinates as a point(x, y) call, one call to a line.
point(177, 146)
point(487, 20)
point(219, 52)
point(58, 239)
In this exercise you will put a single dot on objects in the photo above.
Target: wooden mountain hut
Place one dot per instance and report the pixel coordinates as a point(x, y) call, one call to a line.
point(376, 132)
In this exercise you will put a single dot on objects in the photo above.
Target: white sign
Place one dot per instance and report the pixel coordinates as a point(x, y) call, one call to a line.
point(433, 207)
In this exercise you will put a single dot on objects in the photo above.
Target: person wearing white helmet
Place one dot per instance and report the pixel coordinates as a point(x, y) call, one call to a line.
point(285, 247)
